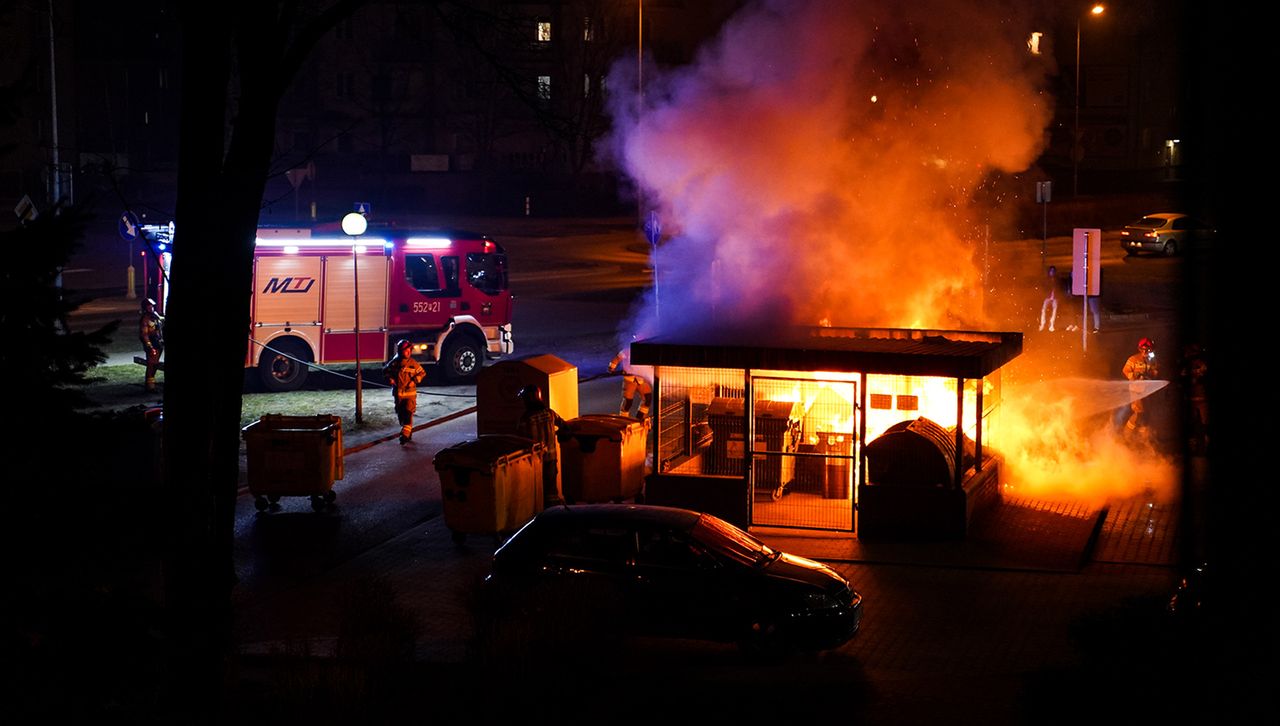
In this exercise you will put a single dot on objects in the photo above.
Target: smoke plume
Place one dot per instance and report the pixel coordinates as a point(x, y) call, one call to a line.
point(818, 162)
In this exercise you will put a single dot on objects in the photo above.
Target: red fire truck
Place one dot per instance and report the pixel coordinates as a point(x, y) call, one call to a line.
point(445, 291)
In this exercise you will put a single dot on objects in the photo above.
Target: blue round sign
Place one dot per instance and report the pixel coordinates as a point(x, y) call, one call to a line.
point(128, 226)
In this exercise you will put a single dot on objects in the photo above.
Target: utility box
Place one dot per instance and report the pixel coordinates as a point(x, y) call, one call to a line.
point(498, 406)
point(293, 456)
point(490, 485)
point(602, 458)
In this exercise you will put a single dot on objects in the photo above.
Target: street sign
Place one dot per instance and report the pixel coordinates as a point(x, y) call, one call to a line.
point(1086, 261)
point(26, 209)
point(364, 208)
point(653, 228)
point(1044, 191)
point(128, 225)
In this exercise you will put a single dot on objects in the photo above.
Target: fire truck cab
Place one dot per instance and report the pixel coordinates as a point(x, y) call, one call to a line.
point(322, 297)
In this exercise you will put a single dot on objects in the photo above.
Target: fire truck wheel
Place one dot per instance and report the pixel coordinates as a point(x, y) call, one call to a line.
point(462, 358)
point(279, 369)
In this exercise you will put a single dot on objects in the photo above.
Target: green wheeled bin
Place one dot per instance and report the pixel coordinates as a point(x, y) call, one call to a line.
point(293, 456)
point(602, 458)
point(490, 485)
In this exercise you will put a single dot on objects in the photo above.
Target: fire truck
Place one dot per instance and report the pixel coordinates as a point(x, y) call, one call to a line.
point(320, 296)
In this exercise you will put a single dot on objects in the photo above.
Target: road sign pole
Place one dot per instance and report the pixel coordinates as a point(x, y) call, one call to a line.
point(1084, 305)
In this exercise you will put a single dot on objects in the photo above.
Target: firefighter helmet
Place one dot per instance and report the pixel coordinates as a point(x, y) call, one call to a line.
point(402, 344)
point(147, 303)
point(1146, 344)
point(530, 394)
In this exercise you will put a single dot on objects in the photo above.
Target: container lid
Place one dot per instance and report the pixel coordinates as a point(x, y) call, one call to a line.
point(603, 425)
point(485, 451)
point(763, 409)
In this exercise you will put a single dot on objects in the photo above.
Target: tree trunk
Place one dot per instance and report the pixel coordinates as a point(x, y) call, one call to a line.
point(220, 188)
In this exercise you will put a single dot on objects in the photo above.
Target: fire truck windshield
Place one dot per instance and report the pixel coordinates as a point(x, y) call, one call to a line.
point(487, 272)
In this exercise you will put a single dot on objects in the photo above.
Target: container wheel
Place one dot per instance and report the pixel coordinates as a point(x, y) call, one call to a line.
point(273, 498)
point(458, 537)
point(261, 504)
point(329, 496)
point(317, 503)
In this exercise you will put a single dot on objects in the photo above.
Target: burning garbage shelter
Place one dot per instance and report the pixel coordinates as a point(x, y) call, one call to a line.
point(885, 432)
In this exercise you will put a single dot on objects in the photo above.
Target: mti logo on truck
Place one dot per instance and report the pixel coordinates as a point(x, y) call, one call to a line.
point(289, 284)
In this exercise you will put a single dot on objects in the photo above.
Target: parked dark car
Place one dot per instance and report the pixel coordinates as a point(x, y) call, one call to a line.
point(661, 571)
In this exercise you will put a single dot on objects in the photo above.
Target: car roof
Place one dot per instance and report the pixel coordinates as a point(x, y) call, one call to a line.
point(1164, 215)
point(606, 514)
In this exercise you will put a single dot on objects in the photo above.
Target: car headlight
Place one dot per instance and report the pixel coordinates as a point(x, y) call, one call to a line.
point(820, 601)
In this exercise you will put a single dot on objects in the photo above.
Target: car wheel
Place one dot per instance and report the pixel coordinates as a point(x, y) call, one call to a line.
point(1170, 248)
point(279, 367)
point(462, 358)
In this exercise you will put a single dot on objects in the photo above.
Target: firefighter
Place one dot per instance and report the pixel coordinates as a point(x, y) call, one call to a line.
point(635, 388)
point(404, 374)
point(540, 423)
point(151, 333)
point(1140, 366)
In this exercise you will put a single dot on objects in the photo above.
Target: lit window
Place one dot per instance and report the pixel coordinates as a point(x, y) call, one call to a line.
point(544, 31)
point(586, 85)
point(544, 88)
point(588, 30)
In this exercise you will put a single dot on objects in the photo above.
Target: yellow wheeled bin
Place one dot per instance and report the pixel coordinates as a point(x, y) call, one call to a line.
point(490, 485)
point(603, 458)
point(293, 456)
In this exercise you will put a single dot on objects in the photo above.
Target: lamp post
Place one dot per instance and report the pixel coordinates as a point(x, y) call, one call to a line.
point(1076, 150)
point(354, 224)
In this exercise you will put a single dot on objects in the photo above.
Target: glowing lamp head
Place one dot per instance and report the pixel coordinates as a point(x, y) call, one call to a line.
point(354, 224)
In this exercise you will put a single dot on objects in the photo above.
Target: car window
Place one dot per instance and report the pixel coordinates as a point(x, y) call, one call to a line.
point(729, 541)
point(585, 545)
point(1156, 222)
point(662, 547)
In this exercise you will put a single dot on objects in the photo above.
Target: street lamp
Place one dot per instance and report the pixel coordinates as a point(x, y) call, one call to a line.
point(1076, 150)
point(354, 225)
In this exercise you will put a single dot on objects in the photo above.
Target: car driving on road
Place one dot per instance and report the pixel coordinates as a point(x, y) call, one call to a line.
point(1165, 232)
point(661, 571)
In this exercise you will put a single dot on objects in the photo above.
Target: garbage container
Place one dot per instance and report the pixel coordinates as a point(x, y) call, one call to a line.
point(293, 456)
point(836, 480)
point(777, 428)
point(602, 458)
point(490, 485)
